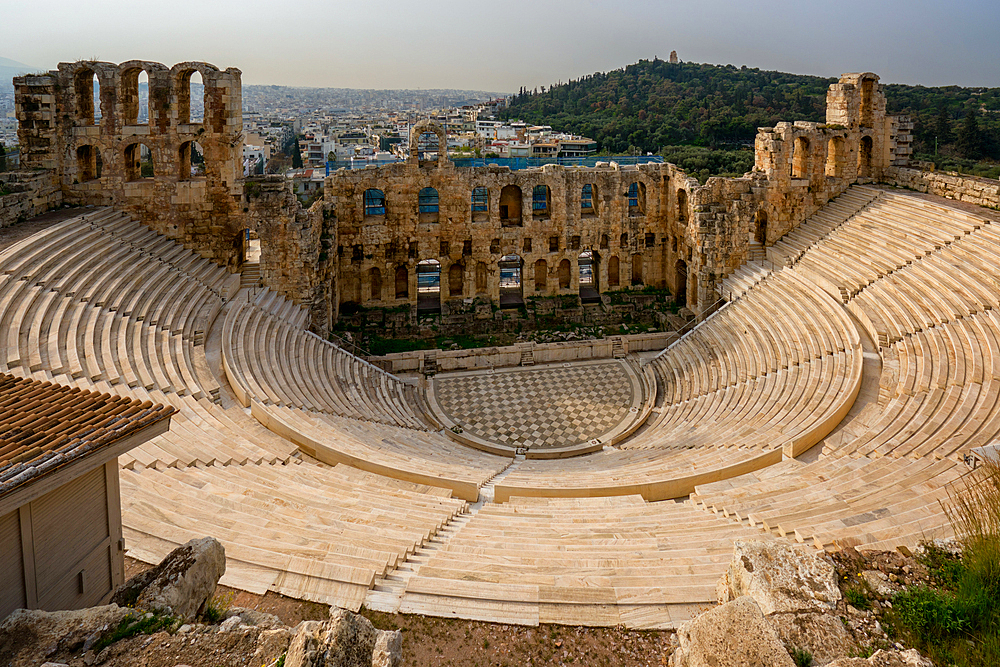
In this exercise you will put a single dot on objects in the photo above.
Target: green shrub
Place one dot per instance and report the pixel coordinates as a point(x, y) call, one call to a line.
point(131, 626)
point(801, 657)
point(858, 598)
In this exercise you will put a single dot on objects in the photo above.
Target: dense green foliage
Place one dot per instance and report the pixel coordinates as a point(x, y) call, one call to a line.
point(655, 104)
point(702, 162)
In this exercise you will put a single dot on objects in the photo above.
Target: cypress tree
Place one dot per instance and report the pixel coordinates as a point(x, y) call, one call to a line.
point(942, 126)
point(970, 140)
point(296, 155)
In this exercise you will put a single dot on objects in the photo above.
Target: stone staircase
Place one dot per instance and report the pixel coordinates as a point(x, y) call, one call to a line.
point(617, 347)
point(250, 275)
point(387, 594)
point(527, 354)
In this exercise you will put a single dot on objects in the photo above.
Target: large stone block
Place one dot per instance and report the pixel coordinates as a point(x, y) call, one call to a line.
point(735, 634)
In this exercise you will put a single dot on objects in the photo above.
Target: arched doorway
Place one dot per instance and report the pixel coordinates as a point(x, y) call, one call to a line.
point(564, 274)
point(428, 286)
point(613, 271)
point(760, 227)
point(455, 279)
point(375, 282)
point(541, 275)
point(588, 264)
point(402, 283)
point(511, 291)
point(865, 158)
point(680, 282)
point(637, 270)
point(510, 206)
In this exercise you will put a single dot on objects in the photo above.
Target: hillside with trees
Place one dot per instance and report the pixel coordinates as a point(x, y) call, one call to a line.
point(704, 114)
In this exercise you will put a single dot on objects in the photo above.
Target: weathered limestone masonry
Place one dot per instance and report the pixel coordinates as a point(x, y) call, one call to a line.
point(979, 191)
point(29, 193)
point(670, 232)
point(96, 157)
point(378, 228)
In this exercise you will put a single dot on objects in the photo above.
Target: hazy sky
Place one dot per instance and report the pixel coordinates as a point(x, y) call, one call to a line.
point(506, 44)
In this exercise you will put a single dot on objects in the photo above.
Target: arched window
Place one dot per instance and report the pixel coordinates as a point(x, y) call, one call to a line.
point(867, 102)
point(801, 162)
point(865, 157)
point(455, 279)
point(835, 157)
point(680, 283)
point(138, 162)
point(190, 161)
point(480, 277)
point(402, 283)
point(88, 97)
point(480, 204)
point(623, 239)
point(375, 282)
point(637, 199)
point(374, 202)
point(510, 206)
point(427, 205)
point(613, 271)
point(88, 163)
point(637, 269)
point(540, 204)
point(541, 275)
point(605, 242)
point(134, 95)
point(564, 274)
point(682, 205)
point(190, 89)
point(588, 200)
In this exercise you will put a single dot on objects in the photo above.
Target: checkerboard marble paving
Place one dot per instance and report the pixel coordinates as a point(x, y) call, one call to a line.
point(551, 406)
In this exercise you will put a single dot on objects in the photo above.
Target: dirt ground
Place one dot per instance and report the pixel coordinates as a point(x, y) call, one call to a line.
point(442, 642)
point(16, 232)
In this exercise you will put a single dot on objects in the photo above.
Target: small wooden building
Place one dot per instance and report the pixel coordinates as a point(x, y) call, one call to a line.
point(61, 541)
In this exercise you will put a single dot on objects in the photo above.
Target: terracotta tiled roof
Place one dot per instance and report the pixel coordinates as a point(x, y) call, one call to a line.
point(44, 426)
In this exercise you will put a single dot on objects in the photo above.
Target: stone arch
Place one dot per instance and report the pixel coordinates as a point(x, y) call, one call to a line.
point(564, 274)
point(613, 280)
point(588, 267)
point(181, 75)
point(428, 205)
point(760, 227)
point(541, 275)
point(429, 286)
point(374, 203)
point(636, 198)
point(190, 161)
point(605, 242)
point(428, 127)
point(375, 283)
point(88, 163)
point(541, 201)
point(637, 270)
point(866, 110)
point(456, 278)
point(511, 283)
point(481, 271)
point(801, 161)
point(835, 157)
point(510, 206)
point(865, 151)
point(682, 205)
point(139, 162)
point(680, 283)
point(130, 94)
point(87, 86)
point(588, 200)
point(480, 203)
point(402, 283)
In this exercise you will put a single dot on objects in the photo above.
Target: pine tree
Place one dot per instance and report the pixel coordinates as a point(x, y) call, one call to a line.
point(942, 126)
point(970, 139)
point(296, 155)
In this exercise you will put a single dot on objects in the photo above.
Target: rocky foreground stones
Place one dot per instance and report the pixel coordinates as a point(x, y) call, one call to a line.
point(180, 584)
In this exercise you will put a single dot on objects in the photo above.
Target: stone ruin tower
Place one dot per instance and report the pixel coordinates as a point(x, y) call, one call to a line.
point(100, 153)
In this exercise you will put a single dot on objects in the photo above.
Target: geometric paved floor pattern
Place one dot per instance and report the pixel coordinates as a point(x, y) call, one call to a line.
point(550, 406)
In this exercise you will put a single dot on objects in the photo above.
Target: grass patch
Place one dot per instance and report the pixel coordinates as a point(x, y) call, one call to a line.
point(801, 657)
point(858, 598)
point(956, 619)
point(216, 607)
point(131, 626)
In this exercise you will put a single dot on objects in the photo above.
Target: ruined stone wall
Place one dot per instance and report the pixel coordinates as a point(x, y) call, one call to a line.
point(644, 237)
point(95, 152)
point(29, 193)
point(296, 246)
point(971, 189)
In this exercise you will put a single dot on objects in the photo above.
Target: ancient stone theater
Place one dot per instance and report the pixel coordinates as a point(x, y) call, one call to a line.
point(841, 371)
